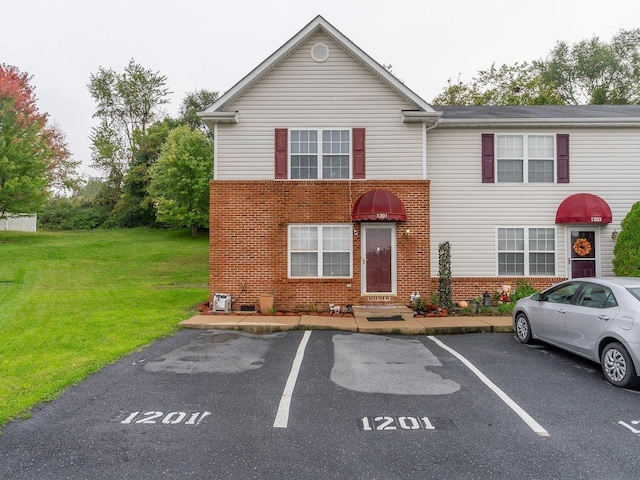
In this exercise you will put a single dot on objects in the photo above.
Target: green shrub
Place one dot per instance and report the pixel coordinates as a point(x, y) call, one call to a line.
point(626, 253)
point(505, 308)
point(72, 214)
point(523, 289)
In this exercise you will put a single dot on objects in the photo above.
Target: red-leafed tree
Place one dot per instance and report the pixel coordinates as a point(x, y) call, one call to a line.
point(34, 157)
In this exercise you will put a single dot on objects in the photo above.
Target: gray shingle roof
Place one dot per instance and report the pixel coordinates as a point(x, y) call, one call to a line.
point(540, 111)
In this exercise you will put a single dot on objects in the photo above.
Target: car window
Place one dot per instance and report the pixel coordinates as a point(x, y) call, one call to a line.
point(561, 294)
point(597, 296)
point(635, 291)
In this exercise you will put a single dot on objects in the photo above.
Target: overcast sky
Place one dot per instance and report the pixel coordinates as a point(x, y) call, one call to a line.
point(212, 44)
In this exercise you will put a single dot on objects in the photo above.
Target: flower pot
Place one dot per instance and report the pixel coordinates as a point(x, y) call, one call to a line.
point(266, 304)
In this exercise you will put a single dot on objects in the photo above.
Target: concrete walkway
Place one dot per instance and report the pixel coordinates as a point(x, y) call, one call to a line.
point(360, 322)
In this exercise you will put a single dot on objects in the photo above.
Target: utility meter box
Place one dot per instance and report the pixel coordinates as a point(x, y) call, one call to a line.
point(221, 303)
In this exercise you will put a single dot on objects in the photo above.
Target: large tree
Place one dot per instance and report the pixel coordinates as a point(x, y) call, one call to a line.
point(193, 103)
point(180, 179)
point(33, 155)
point(134, 206)
point(126, 104)
point(588, 72)
point(518, 84)
point(596, 72)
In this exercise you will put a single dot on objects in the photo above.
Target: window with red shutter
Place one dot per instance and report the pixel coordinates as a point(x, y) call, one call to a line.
point(525, 158)
point(319, 154)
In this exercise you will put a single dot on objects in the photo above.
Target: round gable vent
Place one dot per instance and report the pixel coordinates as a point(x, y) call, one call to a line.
point(319, 52)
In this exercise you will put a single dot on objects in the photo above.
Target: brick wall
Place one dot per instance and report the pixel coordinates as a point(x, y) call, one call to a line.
point(248, 240)
point(466, 288)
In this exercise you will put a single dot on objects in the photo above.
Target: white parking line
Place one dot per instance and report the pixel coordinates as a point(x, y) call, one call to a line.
point(282, 417)
point(535, 426)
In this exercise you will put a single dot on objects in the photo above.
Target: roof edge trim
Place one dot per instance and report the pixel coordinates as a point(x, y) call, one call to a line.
point(566, 122)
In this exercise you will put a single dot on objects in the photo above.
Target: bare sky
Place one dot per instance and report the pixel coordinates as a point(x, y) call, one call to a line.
point(212, 44)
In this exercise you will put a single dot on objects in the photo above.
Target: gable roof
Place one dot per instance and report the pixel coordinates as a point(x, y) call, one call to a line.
point(216, 112)
point(535, 115)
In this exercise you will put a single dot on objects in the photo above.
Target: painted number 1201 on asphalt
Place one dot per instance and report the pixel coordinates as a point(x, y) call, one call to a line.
point(386, 423)
point(171, 418)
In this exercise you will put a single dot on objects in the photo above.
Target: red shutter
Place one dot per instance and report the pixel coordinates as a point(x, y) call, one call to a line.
point(281, 169)
point(359, 170)
point(487, 158)
point(562, 152)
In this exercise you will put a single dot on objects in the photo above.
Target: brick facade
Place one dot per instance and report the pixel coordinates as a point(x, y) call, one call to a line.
point(466, 288)
point(248, 240)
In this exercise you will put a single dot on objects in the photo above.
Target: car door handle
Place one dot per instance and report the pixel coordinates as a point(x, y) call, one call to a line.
point(604, 318)
point(561, 311)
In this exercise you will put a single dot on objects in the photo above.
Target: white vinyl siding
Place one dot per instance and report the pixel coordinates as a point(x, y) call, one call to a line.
point(465, 212)
point(339, 93)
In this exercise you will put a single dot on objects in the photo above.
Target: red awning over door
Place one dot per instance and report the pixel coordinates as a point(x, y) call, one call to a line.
point(584, 208)
point(379, 204)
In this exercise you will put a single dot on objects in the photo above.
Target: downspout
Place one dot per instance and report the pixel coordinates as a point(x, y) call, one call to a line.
point(425, 129)
point(215, 151)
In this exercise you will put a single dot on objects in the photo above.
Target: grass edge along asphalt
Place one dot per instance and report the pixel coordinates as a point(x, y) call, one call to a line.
point(73, 302)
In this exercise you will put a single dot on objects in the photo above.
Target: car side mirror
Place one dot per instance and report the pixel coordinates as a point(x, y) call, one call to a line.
point(535, 297)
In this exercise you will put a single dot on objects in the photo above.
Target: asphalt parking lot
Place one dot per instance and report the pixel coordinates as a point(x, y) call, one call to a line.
point(323, 404)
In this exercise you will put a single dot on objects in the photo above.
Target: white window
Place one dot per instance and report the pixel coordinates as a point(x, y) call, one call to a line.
point(320, 251)
point(525, 158)
point(320, 154)
point(524, 251)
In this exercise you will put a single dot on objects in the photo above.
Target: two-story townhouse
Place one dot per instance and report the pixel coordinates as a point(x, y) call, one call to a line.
point(532, 192)
point(320, 192)
point(335, 183)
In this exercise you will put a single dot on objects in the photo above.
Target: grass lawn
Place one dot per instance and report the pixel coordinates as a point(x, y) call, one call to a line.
point(72, 302)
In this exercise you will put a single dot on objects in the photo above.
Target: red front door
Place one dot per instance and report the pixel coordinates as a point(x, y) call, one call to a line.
point(378, 247)
point(583, 253)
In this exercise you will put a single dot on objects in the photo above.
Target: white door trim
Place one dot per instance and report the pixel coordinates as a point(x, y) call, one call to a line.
point(596, 239)
point(363, 257)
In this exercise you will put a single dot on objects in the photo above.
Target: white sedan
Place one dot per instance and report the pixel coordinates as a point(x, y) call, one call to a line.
point(597, 318)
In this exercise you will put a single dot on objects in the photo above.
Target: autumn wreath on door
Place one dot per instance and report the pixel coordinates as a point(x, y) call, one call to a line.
point(582, 247)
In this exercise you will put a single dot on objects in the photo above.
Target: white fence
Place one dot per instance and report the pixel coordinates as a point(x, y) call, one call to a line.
point(19, 223)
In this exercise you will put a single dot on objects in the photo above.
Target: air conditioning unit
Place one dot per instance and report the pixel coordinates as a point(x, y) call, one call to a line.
point(221, 303)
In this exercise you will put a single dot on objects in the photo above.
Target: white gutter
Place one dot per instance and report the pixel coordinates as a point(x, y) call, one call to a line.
point(540, 122)
point(218, 117)
point(425, 129)
point(411, 116)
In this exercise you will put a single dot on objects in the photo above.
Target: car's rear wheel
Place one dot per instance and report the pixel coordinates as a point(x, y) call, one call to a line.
point(617, 366)
point(523, 328)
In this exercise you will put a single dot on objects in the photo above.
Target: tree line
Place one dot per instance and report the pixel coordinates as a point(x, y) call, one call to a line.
point(591, 71)
point(156, 169)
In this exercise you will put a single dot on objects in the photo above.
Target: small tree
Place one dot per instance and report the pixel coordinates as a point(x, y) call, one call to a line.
point(180, 179)
point(444, 283)
point(626, 253)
